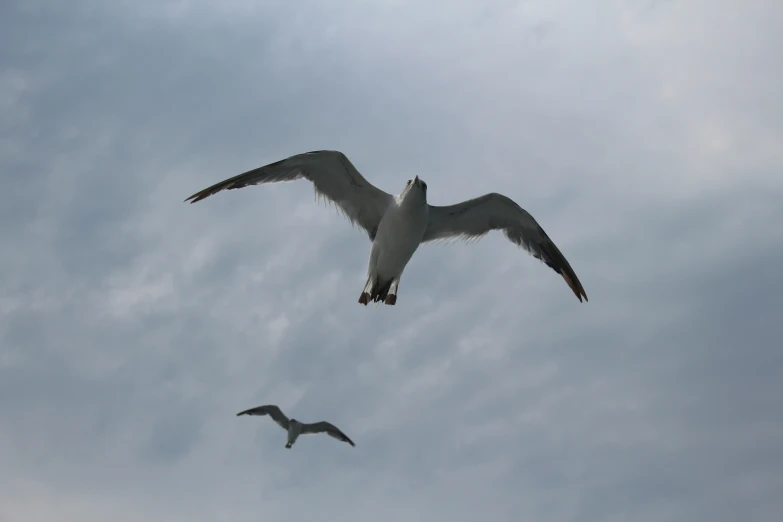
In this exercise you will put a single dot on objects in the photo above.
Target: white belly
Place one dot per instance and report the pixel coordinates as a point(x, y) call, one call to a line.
point(294, 430)
point(399, 235)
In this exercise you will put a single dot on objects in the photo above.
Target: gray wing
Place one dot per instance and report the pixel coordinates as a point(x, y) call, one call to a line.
point(329, 429)
point(270, 409)
point(333, 176)
point(472, 219)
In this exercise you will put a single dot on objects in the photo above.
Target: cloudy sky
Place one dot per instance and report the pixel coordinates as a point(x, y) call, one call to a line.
point(645, 136)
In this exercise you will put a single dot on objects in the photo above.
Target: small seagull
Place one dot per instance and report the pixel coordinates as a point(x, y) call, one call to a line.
point(397, 225)
point(296, 428)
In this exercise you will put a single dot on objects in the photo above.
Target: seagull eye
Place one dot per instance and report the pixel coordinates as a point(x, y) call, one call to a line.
point(409, 181)
point(424, 185)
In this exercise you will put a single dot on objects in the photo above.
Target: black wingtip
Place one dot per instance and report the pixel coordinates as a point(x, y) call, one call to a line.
point(581, 293)
point(204, 194)
point(572, 281)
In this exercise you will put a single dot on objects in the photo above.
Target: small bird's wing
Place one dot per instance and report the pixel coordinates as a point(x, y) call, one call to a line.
point(333, 176)
point(472, 219)
point(270, 409)
point(329, 429)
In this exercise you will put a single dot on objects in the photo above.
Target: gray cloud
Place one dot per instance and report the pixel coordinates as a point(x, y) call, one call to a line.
point(133, 326)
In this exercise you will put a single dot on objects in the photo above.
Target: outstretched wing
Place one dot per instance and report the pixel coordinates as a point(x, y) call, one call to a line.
point(472, 219)
point(329, 429)
point(333, 176)
point(270, 409)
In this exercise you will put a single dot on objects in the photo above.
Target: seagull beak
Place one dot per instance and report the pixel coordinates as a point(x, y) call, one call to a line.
point(416, 180)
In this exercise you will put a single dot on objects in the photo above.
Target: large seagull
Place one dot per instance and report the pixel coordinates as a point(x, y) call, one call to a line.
point(296, 428)
point(397, 225)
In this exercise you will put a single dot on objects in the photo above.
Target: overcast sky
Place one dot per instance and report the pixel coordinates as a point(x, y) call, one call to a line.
point(645, 136)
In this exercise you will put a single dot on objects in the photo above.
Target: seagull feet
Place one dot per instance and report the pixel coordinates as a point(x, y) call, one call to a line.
point(288, 445)
point(391, 299)
point(364, 298)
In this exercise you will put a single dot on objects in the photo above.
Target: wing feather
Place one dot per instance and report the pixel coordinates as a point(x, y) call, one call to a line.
point(328, 428)
point(473, 219)
point(273, 411)
point(333, 176)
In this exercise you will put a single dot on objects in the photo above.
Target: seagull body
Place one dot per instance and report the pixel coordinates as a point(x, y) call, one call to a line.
point(296, 428)
point(400, 231)
point(397, 225)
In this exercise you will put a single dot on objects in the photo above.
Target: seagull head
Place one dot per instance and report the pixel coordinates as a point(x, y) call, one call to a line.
point(416, 185)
